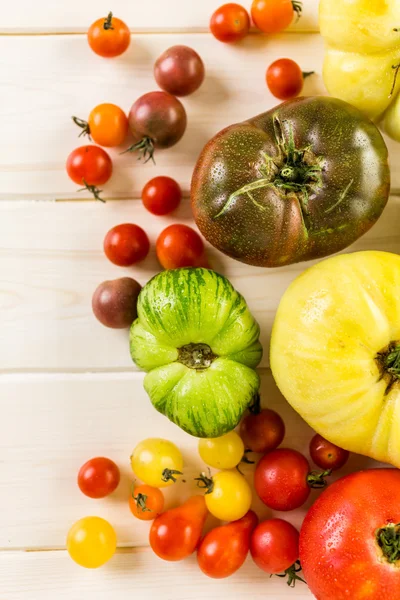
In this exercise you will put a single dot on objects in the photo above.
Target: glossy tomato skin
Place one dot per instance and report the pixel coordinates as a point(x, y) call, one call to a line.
point(175, 534)
point(154, 460)
point(179, 71)
point(338, 550)
point(180, 246)
point(230, 23)
point(262, 432)
point(89, 165)
point(91, 542)
point(272, 16)
point(108, 125)
point(146, 502)
point(98, 477)
point(126, 244)
point(326, 455)
point(114, 303)
point(284, 79)
point(274, 546)
point(280, 479)
point(229, 497)
point(224, 549)
point(161, 195)
point(109, 37)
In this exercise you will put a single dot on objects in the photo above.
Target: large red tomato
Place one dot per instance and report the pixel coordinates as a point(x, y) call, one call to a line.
point(350, 539)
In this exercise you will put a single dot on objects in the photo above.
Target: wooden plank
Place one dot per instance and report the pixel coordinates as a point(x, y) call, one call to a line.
point(174, 15)
point(54, 423)
point(51, 260)
point(138, 573)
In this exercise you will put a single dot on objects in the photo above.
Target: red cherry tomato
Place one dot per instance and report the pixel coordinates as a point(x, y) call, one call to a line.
point(89, 165)
point(98, 477)
point(161, 195)
point(175, 534)
point(180, 246)
point(262, 432)
point(326, 455)
point(230, 23)
point(126, 244)
point(285, 79)
point(146, 502)
point(283, 481)
point(109, 36)
point(274, 548)
point(272, 16)
point(224, 549)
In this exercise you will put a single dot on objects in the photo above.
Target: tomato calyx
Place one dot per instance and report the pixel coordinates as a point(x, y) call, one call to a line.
point(307, 74)
point(141, 500)
point(388, 539)
point(108, 22)
point(298, 8)
point(196, 356)
point(205, 483)
point(291, 574)
point(93, 190)
point(316, 479)
point(145, 148)
point(388, 361)
point(84, 125)
point(169, 475)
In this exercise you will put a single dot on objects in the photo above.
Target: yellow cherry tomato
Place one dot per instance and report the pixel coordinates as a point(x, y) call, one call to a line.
point(91, 542)
point(225, 452)
point(228, 496)
point(157, 462)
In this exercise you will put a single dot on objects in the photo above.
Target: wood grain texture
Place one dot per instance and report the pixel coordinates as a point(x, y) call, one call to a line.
point(138, 574)
point(164, 15)
point(45, 80)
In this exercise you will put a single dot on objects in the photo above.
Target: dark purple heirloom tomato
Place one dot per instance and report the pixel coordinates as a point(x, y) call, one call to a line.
point(179, 71)
point(299, 182)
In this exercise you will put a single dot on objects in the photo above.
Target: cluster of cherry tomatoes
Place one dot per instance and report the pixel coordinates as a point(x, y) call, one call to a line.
point(282, 480)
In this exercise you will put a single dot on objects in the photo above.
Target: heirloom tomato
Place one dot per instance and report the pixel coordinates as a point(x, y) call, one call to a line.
point(228, 495)
point(91, 542)
point(157, 462)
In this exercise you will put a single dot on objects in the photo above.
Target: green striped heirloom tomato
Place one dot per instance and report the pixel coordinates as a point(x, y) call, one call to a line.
point(198, 341)
point(299, 182)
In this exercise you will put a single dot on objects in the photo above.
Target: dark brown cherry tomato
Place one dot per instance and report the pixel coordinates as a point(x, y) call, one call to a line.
point(283, 480)
point(161, 195)
point(285, 79)
point(262, 432)
point(179, 71)
point(98, 477)
point(109, 36)
point(114, 303)
point(326, 455)
point(230, 23)
point(126, 244)
point(157, 120)
point(180, 246)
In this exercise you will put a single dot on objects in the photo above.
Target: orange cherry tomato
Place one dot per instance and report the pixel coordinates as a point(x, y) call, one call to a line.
point(146, 502)
point(230, 23)
point(180, 246)
point(272, 16)
point(107, 125)
point(175, 534)
point(109, 36)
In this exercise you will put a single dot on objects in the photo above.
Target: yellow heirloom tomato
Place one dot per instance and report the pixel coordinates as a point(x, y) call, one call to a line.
point(91, 542)
point(335, 351)
point(157, 462)
point(363, 56)
point(228, 495)
point(224, 452)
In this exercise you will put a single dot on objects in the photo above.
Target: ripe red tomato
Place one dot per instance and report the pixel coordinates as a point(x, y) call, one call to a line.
point(175, 534)
point(230, 23)
point(263, 431)
point(161, 195)
point(109, 36)
point(282, 479)
point(285, 79)
point(224, 549)
point(98, 477)
point(326, 455)
point(274, 546)
point(272, 16)
point(146, 502)
point(126, 244)
point(89, 166)
point(350, 538)
point(180, 246)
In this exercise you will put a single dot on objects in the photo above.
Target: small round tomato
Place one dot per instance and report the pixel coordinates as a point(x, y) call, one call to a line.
point(126, 244)
point(91, 542)
point(179, 71)
point(89, 166)
point(109, 36)
point(225, 452)
point(114, 303)
point(180, 246)
point(228, 495)
point(274, 547)
point(157, 462)
point(263, 431)
point(146, 502)
point(161, 195)
point(98, 477)
point(283, 481)
point(326, 455)
point(272, 16)
point(285, 79)
point(107, 125)
point(230, 23)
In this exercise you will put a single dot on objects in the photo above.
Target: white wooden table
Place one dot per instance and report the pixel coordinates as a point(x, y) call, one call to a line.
point(68, 389)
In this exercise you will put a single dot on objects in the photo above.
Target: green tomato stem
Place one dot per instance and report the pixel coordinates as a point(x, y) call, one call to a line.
point(169, 475)
point(84, 125)
point(316, 479)
point(388, 539)
point(291, 574)
point(108, 21)
point(205, 483)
